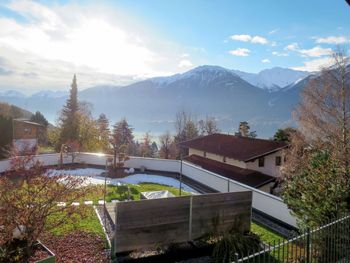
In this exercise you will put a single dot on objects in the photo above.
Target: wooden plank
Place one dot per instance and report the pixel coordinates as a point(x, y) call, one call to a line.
point(146, 223)
point(221, 213)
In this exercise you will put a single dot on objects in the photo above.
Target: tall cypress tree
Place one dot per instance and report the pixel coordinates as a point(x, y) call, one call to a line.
point(70, 116)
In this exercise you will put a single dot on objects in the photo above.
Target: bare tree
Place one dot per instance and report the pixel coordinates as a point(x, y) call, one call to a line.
point(208, 126)
point(324, 112)
point(167, 146)
point(316, 173)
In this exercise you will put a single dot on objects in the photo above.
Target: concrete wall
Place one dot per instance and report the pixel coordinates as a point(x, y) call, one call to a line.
point(262, 201)
point(46, 159)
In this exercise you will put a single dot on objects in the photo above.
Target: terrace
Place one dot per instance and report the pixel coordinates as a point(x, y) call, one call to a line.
point(158, 175)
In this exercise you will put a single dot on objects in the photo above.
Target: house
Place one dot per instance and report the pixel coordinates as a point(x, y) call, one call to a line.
point(255, 162)
point(26, 133)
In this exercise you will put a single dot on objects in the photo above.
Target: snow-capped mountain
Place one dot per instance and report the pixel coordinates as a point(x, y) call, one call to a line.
point(12, 93)
point(201, 73)
point(273, 79)
point(150, 105)
point(51, 93)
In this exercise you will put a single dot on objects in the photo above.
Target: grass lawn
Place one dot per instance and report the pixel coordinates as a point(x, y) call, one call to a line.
point(95, 193)
point(89, 223)
point(267, 236)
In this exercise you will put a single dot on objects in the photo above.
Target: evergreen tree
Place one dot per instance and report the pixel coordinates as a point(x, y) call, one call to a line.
point(69, 119)
point(104, 131)
point(244, 130)
point(38, 117)
point(123, 130)
point(120, 139)
point(284, 135)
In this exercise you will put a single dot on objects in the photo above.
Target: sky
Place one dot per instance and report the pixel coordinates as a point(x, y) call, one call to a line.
point(43, 43)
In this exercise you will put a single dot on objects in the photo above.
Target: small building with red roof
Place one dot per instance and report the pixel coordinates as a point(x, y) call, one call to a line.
point(252, 161)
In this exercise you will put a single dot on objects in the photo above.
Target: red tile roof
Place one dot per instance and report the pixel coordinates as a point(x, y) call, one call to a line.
point(235, 147)
point(244, 176)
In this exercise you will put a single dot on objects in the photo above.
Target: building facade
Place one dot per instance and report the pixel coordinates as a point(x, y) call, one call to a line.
point(255, 162)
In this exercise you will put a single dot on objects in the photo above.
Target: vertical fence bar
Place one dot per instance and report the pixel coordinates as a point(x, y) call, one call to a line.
point(308, 246)
point(236, 257)
point(283, 250)
point(190, 220)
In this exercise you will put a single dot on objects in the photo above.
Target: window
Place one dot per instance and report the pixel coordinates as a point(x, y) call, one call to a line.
point(261, 162)
point(278, 160)
point(224, 159)
point(205, 154)
point(27, 130)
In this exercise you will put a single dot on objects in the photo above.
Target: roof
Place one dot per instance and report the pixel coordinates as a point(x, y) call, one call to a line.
point(28, 122)
point(244, 176)
point(235, 147)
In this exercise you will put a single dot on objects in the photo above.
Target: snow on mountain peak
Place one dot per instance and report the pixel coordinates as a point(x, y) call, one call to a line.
point(274, 78)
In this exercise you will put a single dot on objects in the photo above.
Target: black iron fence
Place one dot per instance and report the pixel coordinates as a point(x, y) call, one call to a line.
point(329, 243)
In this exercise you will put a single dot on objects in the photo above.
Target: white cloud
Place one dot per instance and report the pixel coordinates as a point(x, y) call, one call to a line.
point(259, 40)
point(92, 39)
point(316, 51)
point(185, 63)
point(266, 60)
point(251, 39)
point(273, 31)
point(244, 38)
point(332, 40)
point(280, 54)
point(292, 47)
point(312, 52)
point(240, 52)
point(315, 65)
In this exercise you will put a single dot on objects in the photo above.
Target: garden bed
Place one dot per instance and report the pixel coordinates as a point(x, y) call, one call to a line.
point(78, 246)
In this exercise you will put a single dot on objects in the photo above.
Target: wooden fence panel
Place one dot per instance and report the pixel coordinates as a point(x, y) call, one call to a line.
point(220, 212)
point(144, 223)
point(147, 223)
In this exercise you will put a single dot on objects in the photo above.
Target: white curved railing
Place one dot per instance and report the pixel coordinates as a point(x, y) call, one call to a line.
point(262, 201)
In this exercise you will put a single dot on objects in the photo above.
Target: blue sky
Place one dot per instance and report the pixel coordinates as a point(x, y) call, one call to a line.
point(118, 42)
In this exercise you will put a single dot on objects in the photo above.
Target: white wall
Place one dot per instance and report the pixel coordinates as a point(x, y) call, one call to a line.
point(218, 158)
point(46, 159)
point(262, 201)
point(269, 167)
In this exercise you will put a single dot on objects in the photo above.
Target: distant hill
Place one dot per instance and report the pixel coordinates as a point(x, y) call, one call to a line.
point(12, 111)
point(150, 105)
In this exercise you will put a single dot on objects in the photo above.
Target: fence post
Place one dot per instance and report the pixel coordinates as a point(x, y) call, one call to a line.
point(228, 185)
point(190, 220)
point(308, 243)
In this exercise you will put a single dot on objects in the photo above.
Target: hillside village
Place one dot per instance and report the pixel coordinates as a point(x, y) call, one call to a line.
point(206, 165)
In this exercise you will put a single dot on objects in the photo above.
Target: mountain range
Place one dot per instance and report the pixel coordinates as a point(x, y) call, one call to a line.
point(265, 99)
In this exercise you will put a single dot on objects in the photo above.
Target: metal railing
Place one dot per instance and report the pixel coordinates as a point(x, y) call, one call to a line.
point(329, 243)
